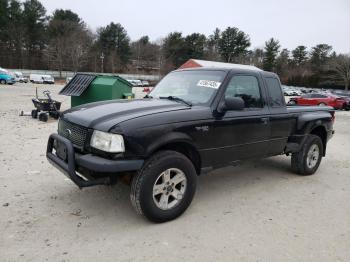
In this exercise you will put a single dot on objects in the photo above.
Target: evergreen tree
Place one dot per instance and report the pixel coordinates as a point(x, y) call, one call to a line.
point(319, 54)
point(194, 45)
point(114, 42)
point(174, 49)
point(299, 55)
point(233, 43)
point(34, 19)
point(271, 49)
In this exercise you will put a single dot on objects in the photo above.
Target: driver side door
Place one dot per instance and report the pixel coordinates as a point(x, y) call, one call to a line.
point(241, 134)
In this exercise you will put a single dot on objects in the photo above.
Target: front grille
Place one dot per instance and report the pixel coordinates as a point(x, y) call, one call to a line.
point(75, 133)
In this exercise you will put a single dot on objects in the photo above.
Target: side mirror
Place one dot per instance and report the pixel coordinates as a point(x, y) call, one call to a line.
point(231, 103)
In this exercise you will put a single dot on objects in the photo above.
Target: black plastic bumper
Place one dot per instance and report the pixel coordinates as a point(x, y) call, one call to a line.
point(89, 162)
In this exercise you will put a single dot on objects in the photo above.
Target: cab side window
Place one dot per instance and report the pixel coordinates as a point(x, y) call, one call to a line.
point(275, 94)
point(247, 88)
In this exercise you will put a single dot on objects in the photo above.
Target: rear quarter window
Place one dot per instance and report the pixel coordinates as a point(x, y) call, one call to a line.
point(306, 96)
point(275, 94)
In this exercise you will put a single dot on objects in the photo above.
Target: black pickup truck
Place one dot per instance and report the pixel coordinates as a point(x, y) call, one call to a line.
point(193, 121)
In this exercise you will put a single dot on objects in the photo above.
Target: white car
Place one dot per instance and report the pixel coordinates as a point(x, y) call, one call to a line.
point(135, 82)
point(48, 79)
point(288, 92)
point(145, 83)
point(41, 79)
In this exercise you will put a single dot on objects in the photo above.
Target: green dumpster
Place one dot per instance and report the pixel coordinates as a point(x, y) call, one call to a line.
point(88, 88)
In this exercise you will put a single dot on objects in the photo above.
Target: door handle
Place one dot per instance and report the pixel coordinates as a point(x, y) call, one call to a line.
point(264, 120)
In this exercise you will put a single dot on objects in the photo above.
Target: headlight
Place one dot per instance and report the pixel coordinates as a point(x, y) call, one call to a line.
point(107, 142)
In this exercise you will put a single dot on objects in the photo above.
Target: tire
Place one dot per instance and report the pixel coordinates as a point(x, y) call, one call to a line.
point(151, 176)
point(301, 162)
point(292, 102)
point(322, 104)
point(3, 82)
point(43, 117)
point(34, 113)
point(54, 114)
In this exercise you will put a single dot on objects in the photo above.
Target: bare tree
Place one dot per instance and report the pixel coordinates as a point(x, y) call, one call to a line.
point(78, 48)
point(340, 65)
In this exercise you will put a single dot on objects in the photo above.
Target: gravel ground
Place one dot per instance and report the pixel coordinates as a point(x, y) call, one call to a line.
point(258, 211)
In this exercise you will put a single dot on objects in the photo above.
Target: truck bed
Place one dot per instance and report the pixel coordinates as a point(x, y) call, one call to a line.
point(300, 109)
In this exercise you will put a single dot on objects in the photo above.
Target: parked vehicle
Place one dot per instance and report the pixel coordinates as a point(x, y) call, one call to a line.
point(35, 78)
point(345, 95)
point(135, 82)
point(20, 78)
point(145, 83)
point(296, 92)
point(341, 93)
point(47, 79)
point(193, 121)
point(288, 92)
point(291, 91)
point(41, 79)
point(325, 99)
point(68, 79)
point(6, 78)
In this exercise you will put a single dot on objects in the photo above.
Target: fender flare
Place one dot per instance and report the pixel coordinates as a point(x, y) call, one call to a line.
point(170, 138)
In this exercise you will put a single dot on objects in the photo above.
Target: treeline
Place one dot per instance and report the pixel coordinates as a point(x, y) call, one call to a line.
point(31, 39)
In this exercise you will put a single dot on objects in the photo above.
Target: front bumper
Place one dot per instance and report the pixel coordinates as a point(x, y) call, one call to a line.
point(72, 161)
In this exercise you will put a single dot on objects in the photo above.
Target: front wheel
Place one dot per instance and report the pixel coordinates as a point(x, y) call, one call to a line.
point(164, 188)
point(308, 159)
point(2, 81)
point(322, 104)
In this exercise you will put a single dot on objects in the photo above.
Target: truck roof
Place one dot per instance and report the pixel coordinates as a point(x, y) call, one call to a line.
point(246, 69)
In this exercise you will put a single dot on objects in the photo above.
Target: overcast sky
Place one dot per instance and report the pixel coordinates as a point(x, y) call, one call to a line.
point(292, 22)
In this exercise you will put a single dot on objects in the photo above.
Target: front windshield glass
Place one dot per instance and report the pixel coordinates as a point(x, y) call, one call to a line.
point(196, 87)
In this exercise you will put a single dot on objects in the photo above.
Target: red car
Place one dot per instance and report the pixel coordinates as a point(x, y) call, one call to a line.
point(320, 100)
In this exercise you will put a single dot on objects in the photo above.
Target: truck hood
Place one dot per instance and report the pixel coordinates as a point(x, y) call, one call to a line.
point(97, 115)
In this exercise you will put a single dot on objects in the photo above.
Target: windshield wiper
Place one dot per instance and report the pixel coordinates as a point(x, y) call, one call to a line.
point(175, 98)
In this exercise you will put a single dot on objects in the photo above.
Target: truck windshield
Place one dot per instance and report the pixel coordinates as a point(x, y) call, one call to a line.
point(196, 87)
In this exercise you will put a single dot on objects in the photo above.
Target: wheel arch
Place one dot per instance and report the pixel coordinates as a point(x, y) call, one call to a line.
point(321, 132)
point(181, 143)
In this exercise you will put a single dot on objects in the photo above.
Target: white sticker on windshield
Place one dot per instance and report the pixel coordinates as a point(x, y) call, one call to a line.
point(209, 83)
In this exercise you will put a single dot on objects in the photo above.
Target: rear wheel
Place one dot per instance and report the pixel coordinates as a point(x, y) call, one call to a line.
point(292, 102)
point(34, 113)
point(322, 104)
point(164, 188)
point(308, 159)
